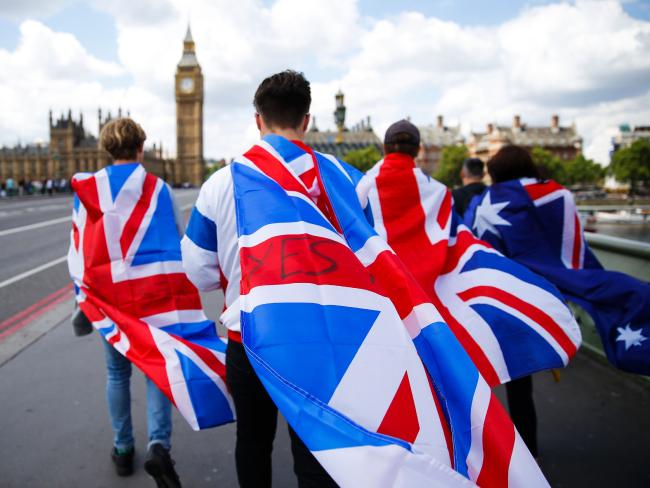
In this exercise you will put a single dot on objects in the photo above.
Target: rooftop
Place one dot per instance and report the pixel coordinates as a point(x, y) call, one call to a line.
point(440, 135)
point(528, 136)
point(340, 143)
point(28, 149)
point(188, 59)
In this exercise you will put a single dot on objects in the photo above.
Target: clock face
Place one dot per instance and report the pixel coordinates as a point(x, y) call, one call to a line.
point(187, 85)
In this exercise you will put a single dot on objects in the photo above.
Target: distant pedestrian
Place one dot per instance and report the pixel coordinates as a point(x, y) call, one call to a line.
point(471, 174)
point(49, 185)
point(124, 140)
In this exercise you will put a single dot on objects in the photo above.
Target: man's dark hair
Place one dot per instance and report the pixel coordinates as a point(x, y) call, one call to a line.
point(283, 99)
point(474, 167)
point(511, 163)
point(403, 144)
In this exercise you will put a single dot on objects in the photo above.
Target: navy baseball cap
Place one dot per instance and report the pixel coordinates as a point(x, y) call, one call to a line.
point(402, 127)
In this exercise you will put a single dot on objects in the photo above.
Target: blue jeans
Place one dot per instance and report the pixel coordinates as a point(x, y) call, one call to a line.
point(118, 393)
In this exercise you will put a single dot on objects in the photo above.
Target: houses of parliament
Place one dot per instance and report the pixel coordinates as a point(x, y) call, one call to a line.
point(72, 148)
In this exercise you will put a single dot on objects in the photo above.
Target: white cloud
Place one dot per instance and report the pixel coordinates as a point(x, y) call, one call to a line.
point(578, 60)
point(587, 61)
point(237, 48)
point(576, 54)
point(43, 53)
point(47, 70)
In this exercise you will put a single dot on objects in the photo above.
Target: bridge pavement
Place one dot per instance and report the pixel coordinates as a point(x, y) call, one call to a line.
point(34, 239)
point(594, 427)
point(54, 429)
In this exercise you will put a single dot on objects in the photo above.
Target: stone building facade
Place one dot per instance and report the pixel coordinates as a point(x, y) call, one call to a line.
point(71, 149)
point(433, 139)
point(625, 135)
point(562, 141)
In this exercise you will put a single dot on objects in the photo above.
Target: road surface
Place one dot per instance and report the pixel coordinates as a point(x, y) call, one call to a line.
point(34, 238)
point(594, 427)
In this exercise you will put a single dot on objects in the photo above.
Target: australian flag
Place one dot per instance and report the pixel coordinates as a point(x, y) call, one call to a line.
point(125, 261)
point(348, 345)
point(536, 223)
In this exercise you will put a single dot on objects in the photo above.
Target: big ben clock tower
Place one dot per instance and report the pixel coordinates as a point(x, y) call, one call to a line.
point(189, 116)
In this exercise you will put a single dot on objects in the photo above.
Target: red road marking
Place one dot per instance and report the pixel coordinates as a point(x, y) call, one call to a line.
point(21, 319)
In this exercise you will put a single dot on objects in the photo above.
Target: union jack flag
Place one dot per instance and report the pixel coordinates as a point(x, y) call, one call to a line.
point(347, 344)
point(125, 261)
point(536, 223)
point(511, 322)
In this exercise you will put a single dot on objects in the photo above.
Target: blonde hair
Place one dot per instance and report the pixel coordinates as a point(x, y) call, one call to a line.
point(122, 138)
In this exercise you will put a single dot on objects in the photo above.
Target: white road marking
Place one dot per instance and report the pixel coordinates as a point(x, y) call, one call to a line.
point(54, 262)
point(33, 271)
point(38, 225)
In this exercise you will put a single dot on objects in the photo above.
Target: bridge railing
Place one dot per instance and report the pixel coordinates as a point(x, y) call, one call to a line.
point(616, 254)
point(613, 207)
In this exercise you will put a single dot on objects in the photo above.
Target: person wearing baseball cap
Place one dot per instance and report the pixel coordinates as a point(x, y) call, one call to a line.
point(402, 137)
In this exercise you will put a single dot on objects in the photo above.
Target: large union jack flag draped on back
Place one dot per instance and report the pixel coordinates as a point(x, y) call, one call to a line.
point(511, 322)
point(125, 261)
point(536, 223)
point(348, 345)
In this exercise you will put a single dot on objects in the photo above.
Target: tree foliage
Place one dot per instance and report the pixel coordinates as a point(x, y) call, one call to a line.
point(549, 165)
point(583, 170)
point(572, 172)
point(451, 162)
point(363, 159)
point(632, 164)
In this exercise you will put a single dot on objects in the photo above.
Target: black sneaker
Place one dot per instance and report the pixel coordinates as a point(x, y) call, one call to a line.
point(123, 461)
point(160, 467)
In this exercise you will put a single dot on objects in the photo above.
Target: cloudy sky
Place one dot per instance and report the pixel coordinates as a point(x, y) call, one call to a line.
point(472, 61)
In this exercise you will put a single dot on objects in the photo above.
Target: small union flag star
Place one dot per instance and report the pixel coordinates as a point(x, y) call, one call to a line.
point(631, 337)
point(487, 216)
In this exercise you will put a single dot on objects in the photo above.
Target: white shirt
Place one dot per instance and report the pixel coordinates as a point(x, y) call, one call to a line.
point(210, 245)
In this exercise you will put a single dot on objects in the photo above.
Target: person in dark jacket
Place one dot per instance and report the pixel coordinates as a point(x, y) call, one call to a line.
point(472, 174)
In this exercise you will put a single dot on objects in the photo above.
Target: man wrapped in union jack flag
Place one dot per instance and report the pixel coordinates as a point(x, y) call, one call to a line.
point(125, 262)
point(535, 222)
point(327, 324)
point(510, 321)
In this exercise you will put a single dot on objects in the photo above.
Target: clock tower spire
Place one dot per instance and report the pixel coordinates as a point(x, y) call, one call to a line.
point(189, 116)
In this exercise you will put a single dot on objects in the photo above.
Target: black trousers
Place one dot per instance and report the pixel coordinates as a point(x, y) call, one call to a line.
point(257, 418)
point(522, 410)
